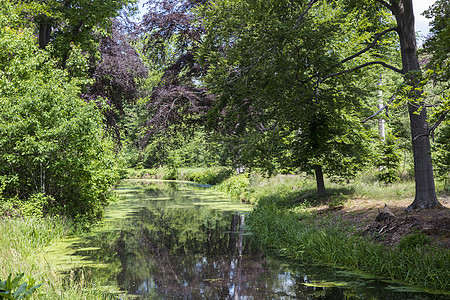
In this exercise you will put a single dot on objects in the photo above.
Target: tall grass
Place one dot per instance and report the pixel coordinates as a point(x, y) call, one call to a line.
point(280, 230)
point(22, 243)
point(281, 223)
point(251, 187)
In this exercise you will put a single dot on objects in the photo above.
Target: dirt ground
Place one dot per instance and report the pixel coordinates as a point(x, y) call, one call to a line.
point(389, 228)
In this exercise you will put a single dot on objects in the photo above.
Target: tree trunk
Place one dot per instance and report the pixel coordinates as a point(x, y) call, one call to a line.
point(321, 192)
point(423, 171)
point(45, 29)
point(381, 122)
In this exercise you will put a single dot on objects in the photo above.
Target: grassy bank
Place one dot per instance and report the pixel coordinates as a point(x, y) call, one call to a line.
point(286, 219)
point(22, 244)
point(329, 242)
point(212, 175)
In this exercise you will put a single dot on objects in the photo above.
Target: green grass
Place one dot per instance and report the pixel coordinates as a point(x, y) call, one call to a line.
point(22, 247)
point(333, 243)
point(293, 189)
point(282, 224)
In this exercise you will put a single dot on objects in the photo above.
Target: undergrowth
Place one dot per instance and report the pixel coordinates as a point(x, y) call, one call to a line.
point(281, 222)
point(279, 229)
point(22, 244)
point(211, 176)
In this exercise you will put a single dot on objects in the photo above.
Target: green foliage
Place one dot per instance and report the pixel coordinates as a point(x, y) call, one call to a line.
point(389, 160)
point(77, 24)
point(235, 186)
point(412, 241)
point(337, 201)
point(23, 241)
point(10, 289)
point(210, 176)
point(52, 143)
point(437, 45)
point(333, 242)
point(198, 149)
point(289, 119)
point(171, 174)
point(441, 152)
point(37, 205)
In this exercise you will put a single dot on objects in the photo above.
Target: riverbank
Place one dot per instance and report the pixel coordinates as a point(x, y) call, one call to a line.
point(342, 231)
point(347, 229)
point(23, 241)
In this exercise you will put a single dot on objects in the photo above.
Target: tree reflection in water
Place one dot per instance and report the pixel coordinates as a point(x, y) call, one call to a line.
point(173, 246)
point(182, 255)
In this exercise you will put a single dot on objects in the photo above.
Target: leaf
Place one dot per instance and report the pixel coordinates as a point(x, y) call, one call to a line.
point(22, 288)
point(30, 291)
point(3, 285)
point(8, 283)
point(15, 281)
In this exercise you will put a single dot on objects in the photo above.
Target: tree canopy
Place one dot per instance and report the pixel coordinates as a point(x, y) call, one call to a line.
point(308, 63)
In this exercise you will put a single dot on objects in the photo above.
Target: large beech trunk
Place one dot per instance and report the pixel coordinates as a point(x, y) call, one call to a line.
point(423, 171)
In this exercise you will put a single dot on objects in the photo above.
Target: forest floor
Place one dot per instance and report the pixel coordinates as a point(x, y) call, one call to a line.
point(389, 229)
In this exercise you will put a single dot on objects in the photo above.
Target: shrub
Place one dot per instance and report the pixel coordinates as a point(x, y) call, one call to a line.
point(210, 176)
point(235, 186)
point(52, 143)
point(10, 288)
point(412, 241)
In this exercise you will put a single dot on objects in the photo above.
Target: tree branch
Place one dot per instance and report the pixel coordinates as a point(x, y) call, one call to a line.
point(311, 3)
point(381, 109)
point(375, 39)
point(438, 122)
point(362, 66)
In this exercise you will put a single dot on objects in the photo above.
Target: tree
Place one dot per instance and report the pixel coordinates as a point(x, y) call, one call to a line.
point(437, 45)
point(117, 76)
point(64, 23)
point(436, 50)
point(52, 143)
point(268, 66)
point(91, 29)
point(326, 30)
point(171, 40)
point(425, 196)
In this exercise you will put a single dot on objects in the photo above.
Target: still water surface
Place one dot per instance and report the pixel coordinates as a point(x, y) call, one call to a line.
point(170, 240)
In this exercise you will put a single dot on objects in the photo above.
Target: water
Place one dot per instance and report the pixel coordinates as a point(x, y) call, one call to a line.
point(185, 243)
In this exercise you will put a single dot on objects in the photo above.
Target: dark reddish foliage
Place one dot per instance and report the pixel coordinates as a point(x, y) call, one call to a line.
point(178, 98)
point(116, 75)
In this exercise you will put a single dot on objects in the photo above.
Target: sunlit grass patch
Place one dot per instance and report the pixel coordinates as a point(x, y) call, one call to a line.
point(23, 242)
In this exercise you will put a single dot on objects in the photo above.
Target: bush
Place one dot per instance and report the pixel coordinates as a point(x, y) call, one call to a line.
point(235, 186)
point(52, 143)
point(210, 176)
point(412, 241)
point(441, 154)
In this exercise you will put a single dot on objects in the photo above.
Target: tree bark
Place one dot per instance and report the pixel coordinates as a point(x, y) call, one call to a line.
point(45, 29)
point(425, 196)
point(321, 191)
